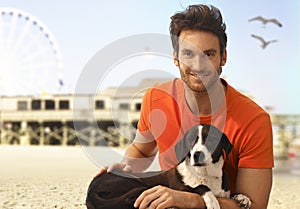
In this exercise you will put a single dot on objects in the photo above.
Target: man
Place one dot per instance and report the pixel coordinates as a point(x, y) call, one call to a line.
point(200, 96)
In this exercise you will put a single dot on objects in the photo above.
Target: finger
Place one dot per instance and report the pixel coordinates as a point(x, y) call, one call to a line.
point(139, 200)
point(160, 202)
point(166, 200)
point(114, 166)
point(102, 170)
point(146, 198)
point(127, 168)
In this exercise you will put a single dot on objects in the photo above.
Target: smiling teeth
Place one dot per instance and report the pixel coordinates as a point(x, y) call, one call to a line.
point(200, 75)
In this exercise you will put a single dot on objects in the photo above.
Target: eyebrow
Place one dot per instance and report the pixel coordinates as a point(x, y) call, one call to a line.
point(204, 52)
point(210, 50)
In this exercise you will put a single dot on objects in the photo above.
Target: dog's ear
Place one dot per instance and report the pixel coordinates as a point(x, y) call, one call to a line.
point(226, 145)
point(183, 147)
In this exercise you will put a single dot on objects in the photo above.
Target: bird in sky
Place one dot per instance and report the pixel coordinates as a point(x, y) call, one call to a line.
point(264, 43)
point(265, 20)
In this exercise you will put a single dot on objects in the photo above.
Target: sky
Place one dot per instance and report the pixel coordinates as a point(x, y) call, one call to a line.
point(84, 28)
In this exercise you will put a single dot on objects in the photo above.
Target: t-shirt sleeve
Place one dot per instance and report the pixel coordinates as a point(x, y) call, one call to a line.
point(256, 150)
point(144, 125)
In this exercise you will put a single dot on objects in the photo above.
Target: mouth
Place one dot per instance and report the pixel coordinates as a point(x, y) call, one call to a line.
point(199, 164)
point(199, 74)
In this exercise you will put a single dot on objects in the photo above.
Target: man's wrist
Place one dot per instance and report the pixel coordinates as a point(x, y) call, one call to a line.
point(196, 201)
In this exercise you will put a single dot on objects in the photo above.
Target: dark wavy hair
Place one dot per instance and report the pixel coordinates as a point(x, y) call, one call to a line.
point(199, 17)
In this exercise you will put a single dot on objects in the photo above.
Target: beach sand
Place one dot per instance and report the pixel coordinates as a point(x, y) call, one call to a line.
point(58, 177)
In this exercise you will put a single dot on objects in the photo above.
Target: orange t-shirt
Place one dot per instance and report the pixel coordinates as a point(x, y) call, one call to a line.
point(165, 117)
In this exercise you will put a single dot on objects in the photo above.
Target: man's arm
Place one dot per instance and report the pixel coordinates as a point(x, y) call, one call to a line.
point(139, 156)
point(254, 183)
point(160, 197)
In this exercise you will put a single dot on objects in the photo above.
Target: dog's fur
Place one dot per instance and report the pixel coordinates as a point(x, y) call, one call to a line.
point(201, 154)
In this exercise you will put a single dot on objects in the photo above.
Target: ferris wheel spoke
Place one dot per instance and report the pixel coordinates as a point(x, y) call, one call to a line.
point(20, 40)
point(33, 56)
point(39, 66)
point(11, 31)
point(30, 45)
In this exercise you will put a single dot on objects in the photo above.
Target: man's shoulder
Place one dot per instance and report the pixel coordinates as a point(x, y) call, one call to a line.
point(166, 89)
point(168, 85)
point(243, 100)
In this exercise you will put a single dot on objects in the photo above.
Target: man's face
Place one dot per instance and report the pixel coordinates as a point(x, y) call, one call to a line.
point(199, 59)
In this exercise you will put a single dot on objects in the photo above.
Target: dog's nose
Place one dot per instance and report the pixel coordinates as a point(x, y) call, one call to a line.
point(199, 157)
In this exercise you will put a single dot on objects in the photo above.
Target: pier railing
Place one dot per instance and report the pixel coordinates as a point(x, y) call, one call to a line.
point(64, 135)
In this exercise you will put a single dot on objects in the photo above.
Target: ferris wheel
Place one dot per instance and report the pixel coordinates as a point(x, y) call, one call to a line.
point(30, 58)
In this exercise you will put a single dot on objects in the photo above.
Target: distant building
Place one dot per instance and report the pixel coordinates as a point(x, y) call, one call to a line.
point(60, 119)
point(107, 118)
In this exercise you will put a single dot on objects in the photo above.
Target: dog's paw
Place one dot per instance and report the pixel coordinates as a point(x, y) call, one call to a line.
point(211, 201)
point(242, 200)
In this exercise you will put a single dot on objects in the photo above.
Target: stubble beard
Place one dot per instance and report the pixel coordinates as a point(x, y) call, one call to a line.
point(201, 87)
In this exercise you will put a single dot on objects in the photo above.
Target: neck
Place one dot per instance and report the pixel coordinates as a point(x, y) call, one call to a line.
point(206, 102)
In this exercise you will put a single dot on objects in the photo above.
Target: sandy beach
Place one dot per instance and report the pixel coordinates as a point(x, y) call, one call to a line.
point(58, 177)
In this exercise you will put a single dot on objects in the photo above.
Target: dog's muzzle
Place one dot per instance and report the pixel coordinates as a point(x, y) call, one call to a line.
point(199, 158)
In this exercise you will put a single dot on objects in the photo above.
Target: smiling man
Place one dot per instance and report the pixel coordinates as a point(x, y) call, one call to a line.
point(200, 96)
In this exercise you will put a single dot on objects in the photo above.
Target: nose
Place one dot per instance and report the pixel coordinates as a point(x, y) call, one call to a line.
point(201, 62)
point(199, 157)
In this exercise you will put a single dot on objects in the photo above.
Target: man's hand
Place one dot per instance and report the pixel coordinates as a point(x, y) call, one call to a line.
point(120, 166)
point(160, 197)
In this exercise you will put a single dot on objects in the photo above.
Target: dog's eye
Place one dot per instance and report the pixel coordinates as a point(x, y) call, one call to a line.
point(197, 139)
point(211, 144)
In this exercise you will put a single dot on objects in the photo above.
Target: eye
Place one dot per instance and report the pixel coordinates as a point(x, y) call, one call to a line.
point(195, 142)
point(211, 144)
point(197, 139)
point(209, 54)
point(187, 53)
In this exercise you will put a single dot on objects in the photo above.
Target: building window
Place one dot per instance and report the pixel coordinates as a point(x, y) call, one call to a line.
point(99, 104)
point(124, 106)
point(64, 104)
point(138, 106)
point(49, 104)
point(22, 105)
point(36, 104)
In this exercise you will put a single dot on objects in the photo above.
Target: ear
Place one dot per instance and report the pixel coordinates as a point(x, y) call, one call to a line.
point(226, 145)
point(175, 58)
point(183, 147)
point(224, 58)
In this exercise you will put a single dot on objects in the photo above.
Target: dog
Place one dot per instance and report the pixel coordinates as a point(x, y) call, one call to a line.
point(201, 154)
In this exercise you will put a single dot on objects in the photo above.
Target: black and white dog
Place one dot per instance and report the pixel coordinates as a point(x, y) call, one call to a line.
point(201, 153)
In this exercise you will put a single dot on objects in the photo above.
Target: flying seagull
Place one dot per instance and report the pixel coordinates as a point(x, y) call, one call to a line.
point(265, 20)
point(264, 43)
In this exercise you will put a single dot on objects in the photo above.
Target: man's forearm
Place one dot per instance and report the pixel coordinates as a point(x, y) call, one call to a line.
point(196, 201)
point(136, 160)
